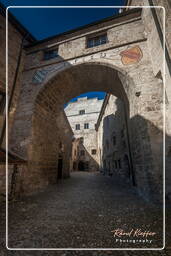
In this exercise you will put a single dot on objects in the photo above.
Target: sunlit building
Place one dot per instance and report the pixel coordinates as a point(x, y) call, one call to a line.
point(82, 115)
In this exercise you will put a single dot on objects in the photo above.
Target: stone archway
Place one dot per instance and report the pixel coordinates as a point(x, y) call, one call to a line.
point(46, 112)
point(48, 109)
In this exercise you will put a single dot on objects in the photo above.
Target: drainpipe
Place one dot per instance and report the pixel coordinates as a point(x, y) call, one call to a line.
point(129, 148)
point(13, 181)
point(13, 89)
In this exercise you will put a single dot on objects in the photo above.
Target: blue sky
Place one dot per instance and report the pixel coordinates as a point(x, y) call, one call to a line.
point(99, 95)
point(45, 22)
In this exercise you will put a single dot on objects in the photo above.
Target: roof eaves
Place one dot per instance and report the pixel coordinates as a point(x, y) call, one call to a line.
point(113, 17)
point(17, 24)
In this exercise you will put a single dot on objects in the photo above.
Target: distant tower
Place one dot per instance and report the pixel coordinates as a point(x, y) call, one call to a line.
point(82, 116)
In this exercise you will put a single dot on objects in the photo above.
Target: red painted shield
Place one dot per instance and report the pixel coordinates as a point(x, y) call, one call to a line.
point(131, 56)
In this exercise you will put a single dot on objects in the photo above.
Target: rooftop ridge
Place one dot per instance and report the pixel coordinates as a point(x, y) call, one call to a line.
point(68, 32)
point(84, 98)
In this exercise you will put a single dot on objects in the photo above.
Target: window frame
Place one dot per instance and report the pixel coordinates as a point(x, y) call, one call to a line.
point(77, 125)
point(86, 126)
point(82, 112)
point(94, 151)
point(51, 56)
point(97, 37)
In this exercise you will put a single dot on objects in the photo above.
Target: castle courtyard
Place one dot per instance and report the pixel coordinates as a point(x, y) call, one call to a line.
point(82, 212)
point(85, 129)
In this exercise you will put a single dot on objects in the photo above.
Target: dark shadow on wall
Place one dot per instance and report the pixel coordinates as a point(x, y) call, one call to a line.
point(116, 153)
point(114, 148)
point(137, 160)
point(38, 140)
point(147, 149)
point(82, 159)
point(146, 144)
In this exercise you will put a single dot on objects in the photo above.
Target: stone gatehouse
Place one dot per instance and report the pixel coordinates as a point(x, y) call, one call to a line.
point(116, 55)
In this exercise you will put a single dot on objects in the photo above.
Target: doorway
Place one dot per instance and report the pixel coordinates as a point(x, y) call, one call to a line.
point(60, 166)
point(81, 166)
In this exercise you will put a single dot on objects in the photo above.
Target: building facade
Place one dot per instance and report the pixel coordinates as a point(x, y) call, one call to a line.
point(112, 138)
point(18, 164)
point(17, 40)
point(82, 116)
point(116, 55)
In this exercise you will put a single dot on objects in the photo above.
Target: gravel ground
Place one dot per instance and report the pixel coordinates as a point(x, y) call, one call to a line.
point(81, 212)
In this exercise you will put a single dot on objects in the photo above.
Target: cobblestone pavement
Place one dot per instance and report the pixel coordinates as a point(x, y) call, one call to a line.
point(81, 212)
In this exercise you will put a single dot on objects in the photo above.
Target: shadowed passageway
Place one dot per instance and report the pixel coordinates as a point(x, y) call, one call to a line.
point(81, 212)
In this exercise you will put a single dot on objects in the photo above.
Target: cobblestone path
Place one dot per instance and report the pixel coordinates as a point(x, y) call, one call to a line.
point(81, 212)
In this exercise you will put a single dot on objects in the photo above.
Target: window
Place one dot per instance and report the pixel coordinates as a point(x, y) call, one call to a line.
point(122, 133)
point(82, 112)
point(2, 102)
point(116, 165)
point(114, 140)
point(119, 164)
point(93, 151)
point(77, 127)
point(50, 54)
point(107, 144)
point(82, 152)
point(98, 40)
point(82, 140)
point(86, 126)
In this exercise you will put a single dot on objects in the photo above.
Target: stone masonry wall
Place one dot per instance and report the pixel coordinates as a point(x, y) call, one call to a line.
point(112, 139)
point(50, 132)
point(107, 67)
point(15, 39)
point(157, 59)
point(14, 46)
